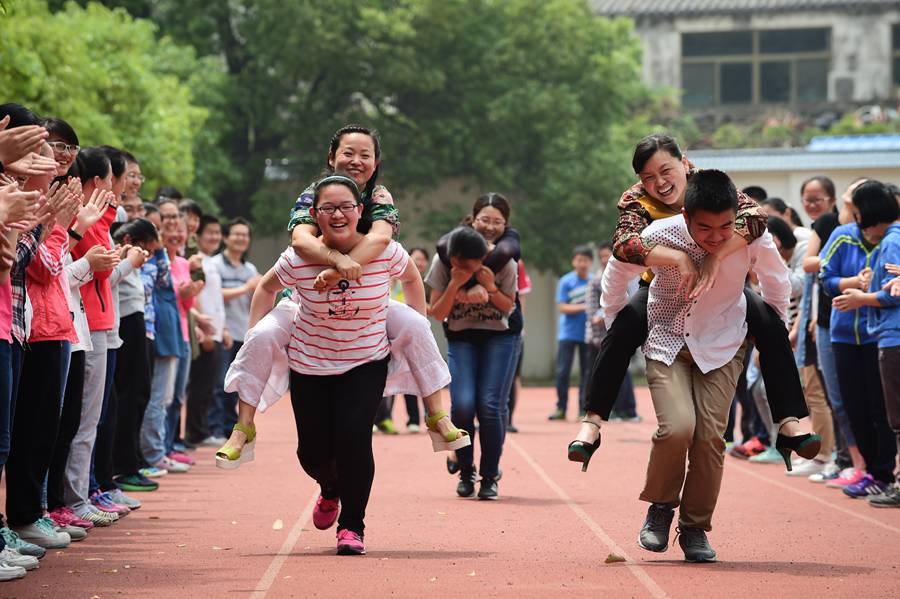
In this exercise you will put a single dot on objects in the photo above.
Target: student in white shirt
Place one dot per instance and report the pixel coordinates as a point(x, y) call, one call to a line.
point(694, 353)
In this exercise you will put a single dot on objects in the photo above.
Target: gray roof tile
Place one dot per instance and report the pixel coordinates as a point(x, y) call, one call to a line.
point(794, 159)
point(684, 8)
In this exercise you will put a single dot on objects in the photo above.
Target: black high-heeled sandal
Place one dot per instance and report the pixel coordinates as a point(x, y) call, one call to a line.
point(806, 446)
point(581, 451)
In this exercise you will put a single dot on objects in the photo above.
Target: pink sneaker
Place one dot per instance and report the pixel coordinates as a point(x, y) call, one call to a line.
point(848, 476)
point(181, 458)
point(349, 543)
point(326, 512)
point(64, 516)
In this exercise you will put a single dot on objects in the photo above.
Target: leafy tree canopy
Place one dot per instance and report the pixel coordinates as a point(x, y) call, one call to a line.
point(111, 77)
point(532, 98)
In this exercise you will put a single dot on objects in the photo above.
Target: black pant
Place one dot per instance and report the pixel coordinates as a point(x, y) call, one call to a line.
point(860, 382)
point(513, 391)
point(629, 331)
point(132, 386)
point(34, 431)
point(201, 384)
point(68, 426)
point(334, 416)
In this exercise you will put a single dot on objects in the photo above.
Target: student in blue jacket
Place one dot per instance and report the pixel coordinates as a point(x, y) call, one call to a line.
point(884, 321)
point(847, 263)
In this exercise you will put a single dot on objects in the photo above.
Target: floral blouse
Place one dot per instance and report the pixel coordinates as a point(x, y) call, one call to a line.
point(372, 211)
point(637, 210)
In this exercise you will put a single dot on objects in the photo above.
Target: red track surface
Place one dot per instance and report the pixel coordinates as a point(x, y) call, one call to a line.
point(212, 533)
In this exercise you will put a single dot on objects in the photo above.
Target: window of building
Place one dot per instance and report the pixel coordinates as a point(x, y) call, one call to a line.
point(782, 66)
point(896, 55)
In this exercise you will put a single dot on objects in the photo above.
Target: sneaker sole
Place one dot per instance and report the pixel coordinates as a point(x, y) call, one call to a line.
point(345, 550)
point(489, 498)
point(645, 548)
point(137, 489)
point(703, 560)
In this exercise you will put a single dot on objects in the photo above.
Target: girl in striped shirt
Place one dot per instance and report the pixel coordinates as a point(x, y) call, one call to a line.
point(338, 355)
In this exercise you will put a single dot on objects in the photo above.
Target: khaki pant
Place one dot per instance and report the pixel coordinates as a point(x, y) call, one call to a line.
point(819, 412)
point(692, 412)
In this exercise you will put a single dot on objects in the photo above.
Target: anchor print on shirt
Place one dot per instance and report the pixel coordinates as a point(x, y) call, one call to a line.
point(339, 299)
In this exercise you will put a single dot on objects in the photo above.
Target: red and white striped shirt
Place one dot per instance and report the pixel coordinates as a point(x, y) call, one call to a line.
point(343, 328)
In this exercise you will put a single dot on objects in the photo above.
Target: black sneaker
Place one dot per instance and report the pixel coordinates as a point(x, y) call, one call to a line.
point(488, 489)
point(466, 486)
point(654, 535)
point(557, 415)
point(695, 545)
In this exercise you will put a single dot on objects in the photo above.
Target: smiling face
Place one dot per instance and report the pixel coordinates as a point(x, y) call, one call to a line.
point(490, 223)
point(664, 178)
point(339, 227)
point(133, 180)
point(63, 152)
point(420, 260)
point(174, 235)
point(815, 200)
point(711, 230)
point(355, 156)
point(210, 239)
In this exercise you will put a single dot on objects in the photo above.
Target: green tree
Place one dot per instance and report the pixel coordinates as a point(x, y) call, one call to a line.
point(533, 98)
point(111, 77)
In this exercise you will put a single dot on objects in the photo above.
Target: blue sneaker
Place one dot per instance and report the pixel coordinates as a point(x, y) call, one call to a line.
point(865, 487)
point(14, 541)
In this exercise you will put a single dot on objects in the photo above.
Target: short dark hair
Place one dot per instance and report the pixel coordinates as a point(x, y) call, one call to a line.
point(780, 229)
point(334, 179)
point(167, 192)
point(583, 250)
point(205, 221)
point(19, 116)
point(226, 228)
point(116, 160)
point(494, 200)
point(650, 145)
point(711, 191)
point(129, 157)
point(150, 208)
point(606, 245)
point(466, 243)
point(875, 203)
point(90, 163)
point(191, 207)
point(778, 204)
point(139, 229)
point(60, 128)
point(756, 192)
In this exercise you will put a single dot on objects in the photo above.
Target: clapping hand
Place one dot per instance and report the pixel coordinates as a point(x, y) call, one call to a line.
point(93, 209)
point(190, 289)
point(16, 143)
point(32, 165)
point(894, 269)
point(893, 287)
point(17, 206)
point(101, 259)
point(851, 299)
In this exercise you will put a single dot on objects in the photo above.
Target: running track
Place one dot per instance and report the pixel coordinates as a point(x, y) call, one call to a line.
point(248, 533)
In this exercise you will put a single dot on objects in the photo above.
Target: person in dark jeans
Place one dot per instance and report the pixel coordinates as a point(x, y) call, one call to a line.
point(664, 172)
point(571, 300)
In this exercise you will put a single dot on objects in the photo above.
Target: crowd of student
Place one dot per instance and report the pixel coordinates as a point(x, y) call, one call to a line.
point(113, 312)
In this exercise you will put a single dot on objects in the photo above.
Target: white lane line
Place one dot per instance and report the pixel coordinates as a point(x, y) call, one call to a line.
point(654, 589)
point(265, 583)
point(829, 504)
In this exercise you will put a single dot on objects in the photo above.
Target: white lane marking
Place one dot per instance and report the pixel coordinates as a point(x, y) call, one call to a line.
point(265, 583)
point(654, 589)
point(749, 472)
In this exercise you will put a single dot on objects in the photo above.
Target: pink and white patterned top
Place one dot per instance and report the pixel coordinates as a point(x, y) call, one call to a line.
point(343, 328)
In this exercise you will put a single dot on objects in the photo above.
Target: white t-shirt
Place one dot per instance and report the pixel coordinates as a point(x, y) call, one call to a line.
point(344, 328)
point(210, 300)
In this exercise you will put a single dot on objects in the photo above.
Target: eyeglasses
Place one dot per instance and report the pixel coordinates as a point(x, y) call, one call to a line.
point(63, 148)
point(487, 222)
point(813, 201)
point(137, 176)
point(168, 216)
point(329, 209)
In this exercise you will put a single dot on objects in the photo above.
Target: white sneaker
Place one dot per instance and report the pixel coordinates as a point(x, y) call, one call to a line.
point(413, 428)
point(43, 534)
point(11, 557)
point(172, 466)
point(11, 572)
point(76, 533)
point(829, 472)
point(95, 516)
point(213, 441)
point(807, 468)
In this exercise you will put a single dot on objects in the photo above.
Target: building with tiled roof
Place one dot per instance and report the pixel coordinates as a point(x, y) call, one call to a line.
point(739, 57)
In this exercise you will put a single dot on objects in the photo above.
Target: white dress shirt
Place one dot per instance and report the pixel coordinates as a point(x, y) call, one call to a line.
point(712, 326)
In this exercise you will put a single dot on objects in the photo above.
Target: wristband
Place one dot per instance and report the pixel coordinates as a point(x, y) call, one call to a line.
point(74, 235)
